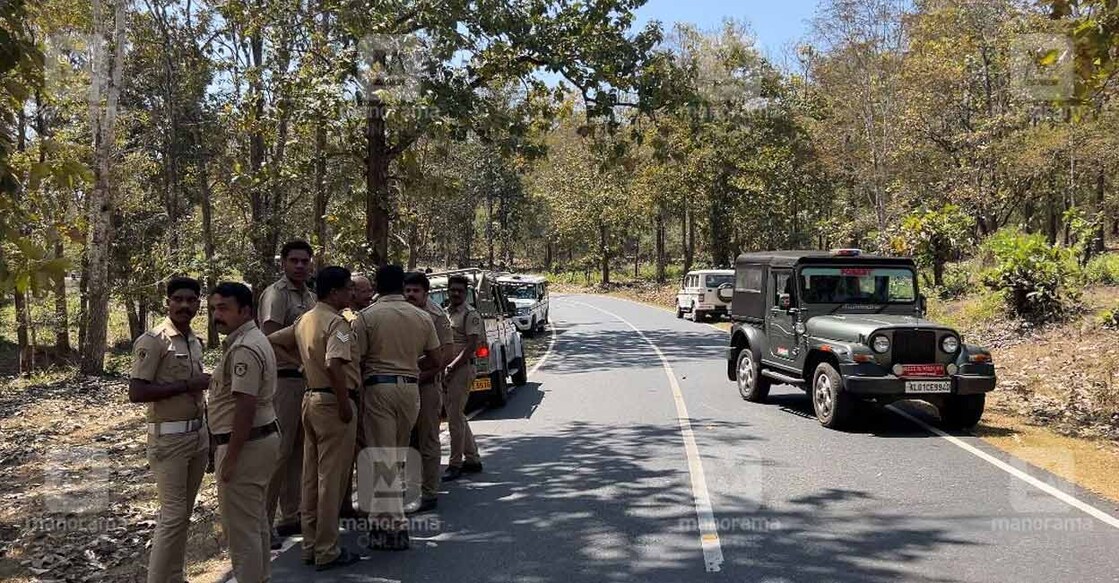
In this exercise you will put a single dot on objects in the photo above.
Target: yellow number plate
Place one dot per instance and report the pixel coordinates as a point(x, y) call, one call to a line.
point(482, 384)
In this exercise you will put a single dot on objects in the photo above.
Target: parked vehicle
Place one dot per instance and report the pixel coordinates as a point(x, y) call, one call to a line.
point(529, 293)
point(849, 328)
point(500, 358)
point(704, 293)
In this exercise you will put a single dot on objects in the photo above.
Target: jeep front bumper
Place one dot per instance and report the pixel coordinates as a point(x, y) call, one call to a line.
point(869, 381)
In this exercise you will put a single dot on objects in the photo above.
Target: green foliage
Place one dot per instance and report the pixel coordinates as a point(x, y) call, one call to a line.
point(933, 237)
point(1083, 233)
point(1031, 275)
point(1103, 270)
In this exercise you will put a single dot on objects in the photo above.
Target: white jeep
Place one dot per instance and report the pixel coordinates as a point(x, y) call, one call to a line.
point(705, 292)
point(529, 293)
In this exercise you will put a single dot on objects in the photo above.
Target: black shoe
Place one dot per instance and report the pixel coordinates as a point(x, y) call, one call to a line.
point(452, 473)
point(276, 541)
point(472, 467)
point(349, 512)
point(394, 540)
point(425, 505)
point(289, 529)
point(344, 559)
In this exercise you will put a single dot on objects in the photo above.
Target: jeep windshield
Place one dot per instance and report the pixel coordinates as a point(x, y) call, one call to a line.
point(441, 298)
point(519, 292)
point(718, 279)
point(857, 285)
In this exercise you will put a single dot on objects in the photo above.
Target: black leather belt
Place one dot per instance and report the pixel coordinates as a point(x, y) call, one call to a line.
point(388, 379)
point(254, 433)
point(289, 373)
point(352, 392)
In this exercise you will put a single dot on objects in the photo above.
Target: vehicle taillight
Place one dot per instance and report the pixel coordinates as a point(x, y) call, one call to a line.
point(482, 352)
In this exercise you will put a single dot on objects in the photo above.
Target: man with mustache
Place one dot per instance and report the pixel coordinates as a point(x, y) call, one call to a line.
point(167, 375)
point(245, 431)
point(416, 288)
point(281, 304)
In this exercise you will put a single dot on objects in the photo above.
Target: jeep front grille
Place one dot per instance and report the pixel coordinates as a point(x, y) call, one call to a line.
point(914, 347)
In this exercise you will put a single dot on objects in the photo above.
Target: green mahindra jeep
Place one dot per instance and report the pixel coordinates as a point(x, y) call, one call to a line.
point(848, 328)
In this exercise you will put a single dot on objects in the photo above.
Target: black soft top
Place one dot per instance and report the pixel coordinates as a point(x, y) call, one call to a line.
point(795, 258)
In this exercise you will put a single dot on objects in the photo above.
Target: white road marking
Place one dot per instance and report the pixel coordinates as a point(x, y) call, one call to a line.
point(1013, 471)
point(709, 532)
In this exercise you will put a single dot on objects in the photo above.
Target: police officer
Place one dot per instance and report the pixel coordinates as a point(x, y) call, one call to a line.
point(280, 305)
point(416, 288)
point(329, 355)
point(363, 293)
point(394, 335)
point(243, 424)
point(468, 331)
point(167, 375)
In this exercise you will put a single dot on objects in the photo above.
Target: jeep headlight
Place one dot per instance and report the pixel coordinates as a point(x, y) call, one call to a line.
point(950, 344)
point(880, 344)
point(523, 311)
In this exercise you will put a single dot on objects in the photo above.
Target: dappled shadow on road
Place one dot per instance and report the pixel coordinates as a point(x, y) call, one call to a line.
point(592, 502)
point(592, 348)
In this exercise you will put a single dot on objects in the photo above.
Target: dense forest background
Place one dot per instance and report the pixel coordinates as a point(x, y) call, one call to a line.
point(144, 138)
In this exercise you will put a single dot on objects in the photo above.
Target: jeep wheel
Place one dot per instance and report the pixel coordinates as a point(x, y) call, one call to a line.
point(962, 411)
point(531, 331)
point(751, 384)
point(499, 389)
point(521, 376)
point(698, 316)
point(833, 406)
point(679, 312)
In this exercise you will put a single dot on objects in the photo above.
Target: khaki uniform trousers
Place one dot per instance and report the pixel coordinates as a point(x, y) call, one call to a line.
point(286, 485)
point(390, 412)
point(178, 463)
point(427, 436)
point(328, 451)
point(242, 505)
point(462, 439)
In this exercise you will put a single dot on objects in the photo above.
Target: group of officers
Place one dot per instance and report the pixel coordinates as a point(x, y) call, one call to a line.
point(311, 388)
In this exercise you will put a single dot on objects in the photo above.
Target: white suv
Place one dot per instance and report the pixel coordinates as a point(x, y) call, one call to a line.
point(706, 292)
point(530, 294)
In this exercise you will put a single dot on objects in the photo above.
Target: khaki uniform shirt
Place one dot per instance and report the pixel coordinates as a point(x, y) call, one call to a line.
point(319, 336)
point(165, 355)
point(394, 335)
point(248, 365)
point(441, 321)
point(282, 303)
point(465, 322)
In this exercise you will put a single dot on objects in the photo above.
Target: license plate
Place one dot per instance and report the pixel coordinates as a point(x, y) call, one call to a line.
point(922, 370)
point(928, 387)
point(482, 384)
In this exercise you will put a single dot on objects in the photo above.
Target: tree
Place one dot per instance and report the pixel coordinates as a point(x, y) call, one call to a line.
point(108, 63)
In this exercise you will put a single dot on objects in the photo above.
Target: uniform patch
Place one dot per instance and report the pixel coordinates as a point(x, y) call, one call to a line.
point(240, 369)
point(141, 353)
point(342, 336)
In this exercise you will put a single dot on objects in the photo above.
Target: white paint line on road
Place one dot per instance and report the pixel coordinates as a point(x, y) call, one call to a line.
point(1013, 471)
point(708, 530)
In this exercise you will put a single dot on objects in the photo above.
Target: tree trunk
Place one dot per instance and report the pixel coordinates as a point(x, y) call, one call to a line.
point(208, 243)
point(662, 260)
point(636, 257)
point(83, 301)
point(689, 240)
point(548, 256)
point(261, 210)
point(1098, 245)
point(604, 251)
point(376, 178)
point(26, 350)
point(489, 228)
point(108, 63)
point(61, 310)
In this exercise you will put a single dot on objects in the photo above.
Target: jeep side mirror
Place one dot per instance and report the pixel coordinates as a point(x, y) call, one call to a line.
point(785, 301)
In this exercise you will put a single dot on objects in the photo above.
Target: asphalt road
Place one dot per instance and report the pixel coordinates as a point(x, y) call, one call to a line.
point(594, 472)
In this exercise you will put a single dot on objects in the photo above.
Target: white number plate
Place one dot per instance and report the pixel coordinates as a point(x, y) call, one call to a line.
point(928, 387)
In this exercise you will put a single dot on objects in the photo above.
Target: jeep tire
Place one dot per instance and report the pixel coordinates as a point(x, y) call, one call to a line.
point(751, 384)
point(679, 311)
point(962, 411)
point(499, 389)
point(521, 376)
point(834, 407)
